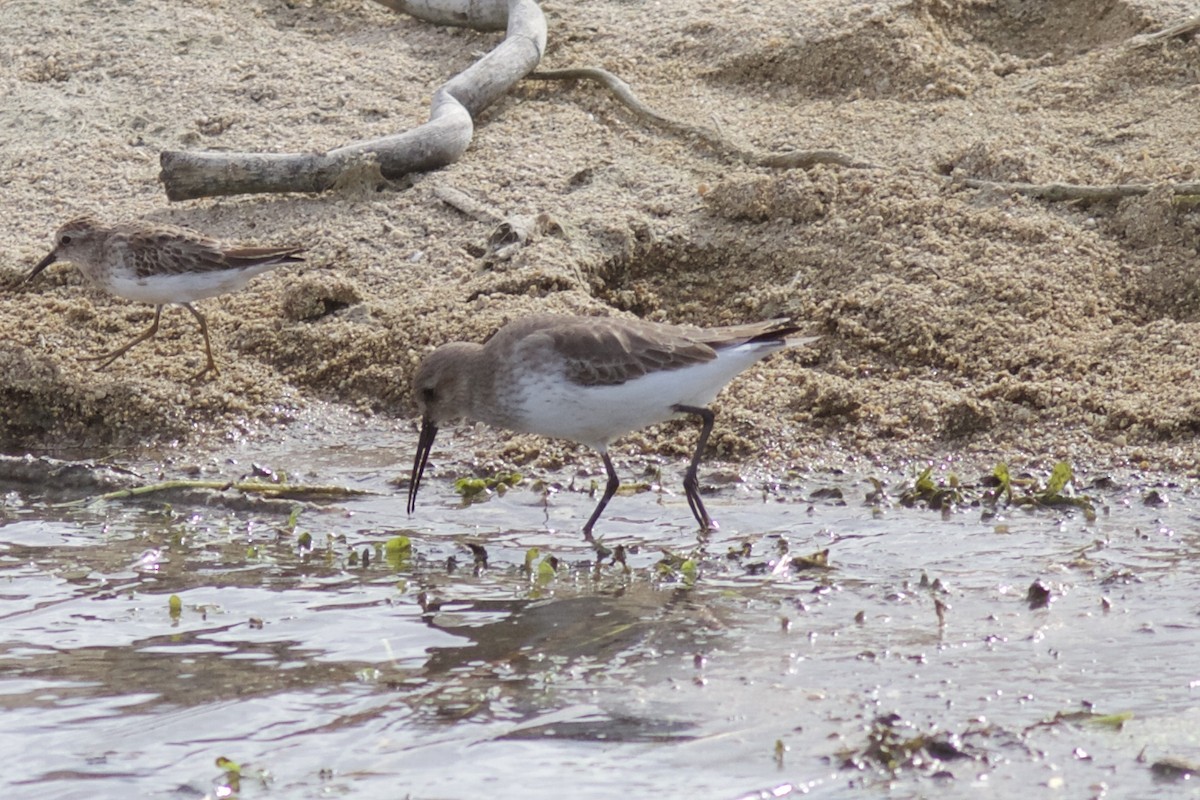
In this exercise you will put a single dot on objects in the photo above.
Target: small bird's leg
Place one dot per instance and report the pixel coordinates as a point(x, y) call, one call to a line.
point(691, 482)
point(109, 358)
point(610, 489)
point(211, 365)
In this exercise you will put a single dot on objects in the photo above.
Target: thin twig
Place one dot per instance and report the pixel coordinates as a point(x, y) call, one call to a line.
point(467, 204)
point(1073, 191)
point(620, 89)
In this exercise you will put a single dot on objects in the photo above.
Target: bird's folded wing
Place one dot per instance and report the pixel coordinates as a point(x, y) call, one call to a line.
point(607, 352)
point(166, 251)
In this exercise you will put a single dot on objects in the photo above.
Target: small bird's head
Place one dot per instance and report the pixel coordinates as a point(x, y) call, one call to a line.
point(442, 389)
point(77, 241)
point(442, 385)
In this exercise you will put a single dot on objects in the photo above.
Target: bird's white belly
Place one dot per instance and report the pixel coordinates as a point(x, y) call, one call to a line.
point(596, 415)
point(179, 288)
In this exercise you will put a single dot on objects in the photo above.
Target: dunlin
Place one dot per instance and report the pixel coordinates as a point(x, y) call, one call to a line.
point(590, 380)
point(159, 264)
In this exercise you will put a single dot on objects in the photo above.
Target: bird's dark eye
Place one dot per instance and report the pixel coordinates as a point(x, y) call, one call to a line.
point(64, 239)
point(428, 394)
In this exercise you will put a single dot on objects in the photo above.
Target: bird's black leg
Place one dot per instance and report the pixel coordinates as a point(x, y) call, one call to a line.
point(610, 489)
point(691, 482)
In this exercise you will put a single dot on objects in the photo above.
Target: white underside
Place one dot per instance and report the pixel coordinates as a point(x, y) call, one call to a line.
point(183, 288)
point(596, 415)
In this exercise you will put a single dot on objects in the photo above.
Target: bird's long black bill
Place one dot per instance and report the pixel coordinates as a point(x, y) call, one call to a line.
point(424, 445)
point(45, 262)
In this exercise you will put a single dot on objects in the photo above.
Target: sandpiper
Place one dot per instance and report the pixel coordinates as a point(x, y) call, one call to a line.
point(159, 264)
point(590, 380)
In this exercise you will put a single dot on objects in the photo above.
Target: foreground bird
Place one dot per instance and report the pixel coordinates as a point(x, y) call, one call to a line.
point(159, 264)
point(590, 380)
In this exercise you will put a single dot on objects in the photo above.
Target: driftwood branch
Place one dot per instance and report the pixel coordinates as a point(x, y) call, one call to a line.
point(480, 15)
point(1057, 192)
point(713, 139)
point(436, 143)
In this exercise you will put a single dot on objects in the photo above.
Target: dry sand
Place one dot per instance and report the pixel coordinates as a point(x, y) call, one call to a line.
point(958, 323)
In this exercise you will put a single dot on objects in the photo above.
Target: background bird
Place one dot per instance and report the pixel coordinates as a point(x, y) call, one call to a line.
point(160, 264)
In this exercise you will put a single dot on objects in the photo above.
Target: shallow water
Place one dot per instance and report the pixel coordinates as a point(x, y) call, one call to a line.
point(437, 676)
